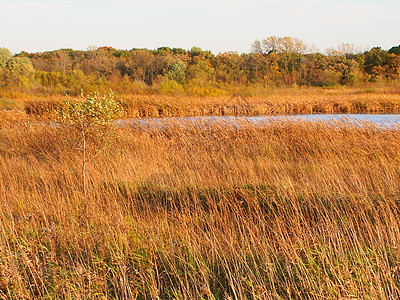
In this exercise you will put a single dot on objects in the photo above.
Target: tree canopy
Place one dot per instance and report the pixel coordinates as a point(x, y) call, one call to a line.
point(273, 61)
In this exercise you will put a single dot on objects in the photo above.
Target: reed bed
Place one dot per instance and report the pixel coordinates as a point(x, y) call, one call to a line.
point(384, 99)
point(193, 211)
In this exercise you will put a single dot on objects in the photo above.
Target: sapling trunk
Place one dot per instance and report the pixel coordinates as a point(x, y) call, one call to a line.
point(89, 123)
point(84, 163)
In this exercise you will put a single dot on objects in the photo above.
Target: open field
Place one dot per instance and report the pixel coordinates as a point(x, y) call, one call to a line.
point(368, 99)
point(285, 211)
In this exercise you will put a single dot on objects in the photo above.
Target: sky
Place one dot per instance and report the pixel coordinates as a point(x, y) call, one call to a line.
point(216, 25)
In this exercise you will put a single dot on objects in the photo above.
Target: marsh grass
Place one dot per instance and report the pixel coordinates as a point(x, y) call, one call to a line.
point(281, 211)
point(368, 99)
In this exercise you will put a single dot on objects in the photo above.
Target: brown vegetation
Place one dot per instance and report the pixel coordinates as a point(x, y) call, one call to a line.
point(370, 99)
point(292, 211)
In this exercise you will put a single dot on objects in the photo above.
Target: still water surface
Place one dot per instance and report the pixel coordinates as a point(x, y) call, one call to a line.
point(381, 120)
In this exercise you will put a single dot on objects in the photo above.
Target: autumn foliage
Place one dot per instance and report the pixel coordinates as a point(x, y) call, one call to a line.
point(273, 62)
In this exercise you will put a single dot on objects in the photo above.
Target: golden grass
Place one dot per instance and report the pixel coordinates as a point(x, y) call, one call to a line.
point(292, 211)
point(283, 101)
point(368, 99)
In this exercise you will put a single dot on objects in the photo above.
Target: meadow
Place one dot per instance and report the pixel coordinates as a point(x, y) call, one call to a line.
point(280, 211)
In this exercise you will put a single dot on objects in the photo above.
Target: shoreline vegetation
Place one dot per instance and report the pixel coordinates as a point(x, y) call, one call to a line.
point(343, 100)
point(280, 211)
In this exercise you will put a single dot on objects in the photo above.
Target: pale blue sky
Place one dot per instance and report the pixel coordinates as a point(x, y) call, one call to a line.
point(216, 25)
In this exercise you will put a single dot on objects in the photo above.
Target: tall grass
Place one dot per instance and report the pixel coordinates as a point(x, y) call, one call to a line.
point(271, 101)
point(280, 211)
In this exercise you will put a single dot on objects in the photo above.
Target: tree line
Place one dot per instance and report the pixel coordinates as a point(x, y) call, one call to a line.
point(273, 62)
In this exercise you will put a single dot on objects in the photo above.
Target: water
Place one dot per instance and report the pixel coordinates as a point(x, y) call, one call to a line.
point(381, 120)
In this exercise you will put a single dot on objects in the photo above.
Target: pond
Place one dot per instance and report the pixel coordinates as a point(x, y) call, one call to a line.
point(381, 120)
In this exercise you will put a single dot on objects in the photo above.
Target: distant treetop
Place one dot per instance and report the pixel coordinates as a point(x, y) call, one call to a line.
point(394, 50)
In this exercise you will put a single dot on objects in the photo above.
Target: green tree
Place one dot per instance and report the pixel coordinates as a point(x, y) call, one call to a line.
point(375, 60)
point(5, 55)
point(177, 71)
point(394, 50)
point(18, 71)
